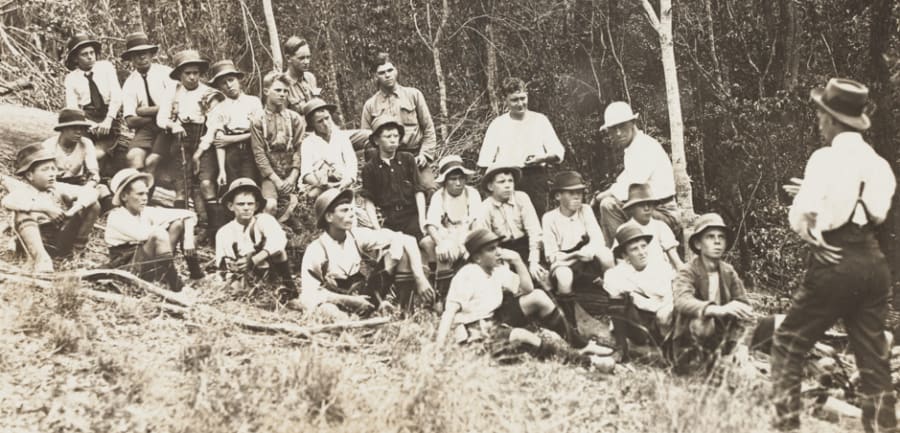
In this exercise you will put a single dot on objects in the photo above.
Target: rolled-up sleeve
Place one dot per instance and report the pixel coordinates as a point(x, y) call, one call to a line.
point(276, 239)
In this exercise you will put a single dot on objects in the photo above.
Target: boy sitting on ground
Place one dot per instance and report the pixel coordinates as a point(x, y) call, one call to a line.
point(573, 242)
point(51, 218)
point(485, 295)
point(709, 298)
point(640, 206)
point(76, 157)
point(331, 274)
point(143, 239)
point(253, 244)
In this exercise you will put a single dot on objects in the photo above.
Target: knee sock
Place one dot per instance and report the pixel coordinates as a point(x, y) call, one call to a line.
point(567, 305)
point(169, 274)
point(283, 272)
point(179, 204)
point(193, 264)
point(106, 203)
point(405, 290)
point(556, 322)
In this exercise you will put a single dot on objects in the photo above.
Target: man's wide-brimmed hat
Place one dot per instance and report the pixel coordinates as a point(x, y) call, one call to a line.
point(383, 121)
point(493, 170)
point(243, 184)
point(32, 154)
point(628, 233)
point(185, 58)
point(124, 178)
point(137, 42)
point(568, 181)
point(706, 222)
point(450, 164)
point(222, 69)
point(478, 239)
point(325, 201)
point(71, 117)
point(316, 104)
point(639, 193)
point(76, 43)
point(845, 100)
point(617, 113)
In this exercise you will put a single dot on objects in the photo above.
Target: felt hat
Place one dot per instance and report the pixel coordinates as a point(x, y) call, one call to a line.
point(617, 113)
point(71, 117)
point(628, 233)
point(31, 154)
point(325, 201)
point(185, 58)
point(293, 43)
point(382, 121)
point(449, 164)
point(137, 42)
point(124, 178)
point(76, 43)
point(845, 100)
point(242, 184)
point(478, 239)
point(500, 168)
point(315, 104)
point(638, 193)
point(706, 222)
point(568, 181)
point(222, 69)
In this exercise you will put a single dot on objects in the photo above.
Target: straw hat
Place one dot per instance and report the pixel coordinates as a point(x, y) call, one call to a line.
point(450, 164)
point(706, 222)
point(124, 178)
point(243, 184)
point(617, 113)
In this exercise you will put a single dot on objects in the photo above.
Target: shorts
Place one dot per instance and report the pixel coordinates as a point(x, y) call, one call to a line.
point(268, 189)
point(406, 221)
point(239, 162)
point(150, 138)
point(131, 258)
point(510, 312)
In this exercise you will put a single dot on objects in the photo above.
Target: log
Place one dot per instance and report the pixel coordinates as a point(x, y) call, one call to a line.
point(120, 275)
point(20, 125)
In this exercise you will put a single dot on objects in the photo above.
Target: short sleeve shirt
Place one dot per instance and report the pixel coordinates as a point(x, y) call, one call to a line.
point(478, 293)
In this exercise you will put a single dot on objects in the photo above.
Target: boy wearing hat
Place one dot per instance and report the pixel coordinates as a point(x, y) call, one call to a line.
point(486, 295)
point(253, 243)
point(646, 162)
point(93, 86)
point(331, 275)
point(641, 206)
point(392, 182)
point(845, 194)
point(510, 215)
point(522, 138)
point(644, 284)
point(76, 157)
point(302, 85)
point(144, 88)
point(573, 242)
point(327, 159)
point(143, 239)
point(709, 300)
point(51, 218)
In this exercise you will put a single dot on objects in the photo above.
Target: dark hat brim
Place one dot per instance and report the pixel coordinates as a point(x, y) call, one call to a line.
point(83, 123)
point(70, 63)
point(176, 72)
point(578, 187)
point(492, 239)
point(117, 194)
point(138, 49)
point(619, 249)
point(320, 218)
point(861, 123)
point(729, 237)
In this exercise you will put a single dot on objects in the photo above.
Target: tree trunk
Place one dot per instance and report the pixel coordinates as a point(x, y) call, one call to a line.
point(337, 99)
point(439, 71)
point(491, 70)
point(790, 41)
point(277, 63)
point(24, 125)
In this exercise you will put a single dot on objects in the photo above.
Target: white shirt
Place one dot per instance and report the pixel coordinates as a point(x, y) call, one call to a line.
point(83, 157)
point(645, 162)
point(564, 232)
point(663, 240)
point(187, 104)
point(78, 91)
point(831, 185)
point(714, 287)
point(234, 114)
point(338, 152)
point(461, 210)
point(124, 227)
point(509, 141)
point(262, 226)
point(478, 293)
point(134, 95)
point(650, 288)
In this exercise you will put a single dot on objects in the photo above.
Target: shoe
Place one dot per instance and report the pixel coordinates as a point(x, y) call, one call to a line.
point(593, 348)
point(603, 364)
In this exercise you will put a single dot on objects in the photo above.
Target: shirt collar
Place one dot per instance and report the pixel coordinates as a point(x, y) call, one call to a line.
point(847, 139)
point(395, 92)
point(498, 204)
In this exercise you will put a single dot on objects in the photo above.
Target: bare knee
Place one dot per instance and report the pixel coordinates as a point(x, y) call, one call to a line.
point(271, 206)
point(135, 157)
point(536, 302)
point(564, 277)
point(151, 162)
point(207, 189)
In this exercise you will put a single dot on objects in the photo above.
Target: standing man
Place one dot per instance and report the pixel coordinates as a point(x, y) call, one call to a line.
point(141, 93)
point(408, 105)
point(846, 192)
point(645, 162)
point(302, 85)
point(93, 86)
point(523, 138)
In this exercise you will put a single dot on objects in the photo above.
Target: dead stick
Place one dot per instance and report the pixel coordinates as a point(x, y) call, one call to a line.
point(117, 274)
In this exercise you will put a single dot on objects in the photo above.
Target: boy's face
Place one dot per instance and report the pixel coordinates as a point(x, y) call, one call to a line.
point(489, 256)
point(135, 196)
point(455, 183)
point(712, 243)
point(190, 77)
point(276, 94)
point(141, 60)
point(322, 124)
point(388, 140)
point(243, 206)
point(386, 75)
point(570, 200)
point(301, 59)
point(230, 85)
point(42, 175)
point(72, 134)
point(342, 217)
point(636, 254)
point(642, 212)
point(622, 134)
point(517, 102)
point(86, 58)
point(502, 186)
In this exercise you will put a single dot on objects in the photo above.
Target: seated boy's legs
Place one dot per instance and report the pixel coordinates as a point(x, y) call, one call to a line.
point(406, 221)
point(239, 162)
point(611, 215)
point(75, 232)
point(31, 238)
point(519, 245)
point(270, 194)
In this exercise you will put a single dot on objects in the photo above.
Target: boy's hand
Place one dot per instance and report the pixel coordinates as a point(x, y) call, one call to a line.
point(537, 271)
point(221, 179)
point(508, 256)
point(421, 161)
point(196, 158)
point(176, 129)
point(55, 213)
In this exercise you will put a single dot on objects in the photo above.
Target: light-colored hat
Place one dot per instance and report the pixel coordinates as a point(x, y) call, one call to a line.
point(638, 193)
point(449, 164)
point(243, 184)
point(617, 113)
point(845, 100)
point(706, 222)
point(326, 199)
point(187, 57)
point(124, 178)
point(493, 170)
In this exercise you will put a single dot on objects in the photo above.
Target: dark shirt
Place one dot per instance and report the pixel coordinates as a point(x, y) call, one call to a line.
point(392, 186)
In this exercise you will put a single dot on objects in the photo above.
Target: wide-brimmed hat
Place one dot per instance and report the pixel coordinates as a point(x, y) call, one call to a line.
point(567, 181)
point(77, 42)
point(313, 105)
point(628, 233)
point(449, 164)
point(222, 69)
point(845, 100)
point(478, 239)
point(32, 154)
point(617, 113)
point(137, 42)
point(124, 178)
point(639, 193)
point(325, 201)
point(706, 222)
point(500, 168)
point(383, 121)
point(71, 117)
point(243, 184)
point(187, 57)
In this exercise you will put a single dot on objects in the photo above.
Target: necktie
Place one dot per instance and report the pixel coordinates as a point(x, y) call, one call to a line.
point(150, 102)
point(96, 97)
